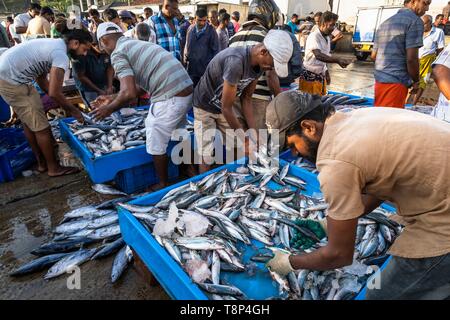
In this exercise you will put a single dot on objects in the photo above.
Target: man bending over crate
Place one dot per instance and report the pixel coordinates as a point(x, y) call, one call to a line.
point(146, 66)
point(31, 62)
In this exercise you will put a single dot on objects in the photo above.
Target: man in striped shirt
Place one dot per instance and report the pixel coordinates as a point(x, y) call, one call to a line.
point(146, 66)
point(252, 33)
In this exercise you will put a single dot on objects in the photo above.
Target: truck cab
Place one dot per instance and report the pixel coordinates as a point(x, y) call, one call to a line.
point(368, 20)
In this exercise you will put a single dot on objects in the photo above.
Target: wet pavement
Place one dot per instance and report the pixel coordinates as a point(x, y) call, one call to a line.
point(357, 79)
point(31, 207)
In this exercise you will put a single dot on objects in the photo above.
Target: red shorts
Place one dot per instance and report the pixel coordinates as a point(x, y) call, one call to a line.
point(391, 95)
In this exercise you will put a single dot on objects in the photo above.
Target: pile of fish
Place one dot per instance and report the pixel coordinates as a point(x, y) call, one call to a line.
point(206, 227)
point(123, 130)
point(340, 99)
point(86, 233)
point(302, 163)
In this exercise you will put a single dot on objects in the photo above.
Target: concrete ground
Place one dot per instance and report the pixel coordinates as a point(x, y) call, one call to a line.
point(31, 207)
point(357, 79)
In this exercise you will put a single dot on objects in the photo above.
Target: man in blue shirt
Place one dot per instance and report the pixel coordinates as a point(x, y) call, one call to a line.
point(293, 24)
point(396, 54)
point(167, 29)
point(202, 44)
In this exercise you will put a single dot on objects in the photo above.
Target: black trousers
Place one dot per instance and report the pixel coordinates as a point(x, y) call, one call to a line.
point(414, 279)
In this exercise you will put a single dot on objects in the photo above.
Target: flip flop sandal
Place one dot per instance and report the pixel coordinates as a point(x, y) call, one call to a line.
point(66, 172)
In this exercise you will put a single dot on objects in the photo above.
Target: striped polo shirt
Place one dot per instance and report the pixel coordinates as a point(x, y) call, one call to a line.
point(155, 70)
point(250, 34)
point(402, 31)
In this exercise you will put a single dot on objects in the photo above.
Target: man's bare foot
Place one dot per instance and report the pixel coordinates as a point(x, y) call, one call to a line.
point(63, 171)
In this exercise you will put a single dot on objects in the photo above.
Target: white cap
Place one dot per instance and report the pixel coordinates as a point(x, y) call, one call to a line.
point(107, 28)
point(280, 46)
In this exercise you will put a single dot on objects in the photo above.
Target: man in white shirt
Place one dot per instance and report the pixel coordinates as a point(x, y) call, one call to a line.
point(315, 76)
point(433, 44)
point(22, 20)
point(441, 75)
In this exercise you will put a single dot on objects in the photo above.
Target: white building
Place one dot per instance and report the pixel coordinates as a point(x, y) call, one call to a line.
point(347, 9)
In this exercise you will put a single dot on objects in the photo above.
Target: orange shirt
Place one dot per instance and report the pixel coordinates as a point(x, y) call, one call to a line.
point(397, 155)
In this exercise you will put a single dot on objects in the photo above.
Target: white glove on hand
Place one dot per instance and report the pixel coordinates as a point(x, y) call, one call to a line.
point(280, 262)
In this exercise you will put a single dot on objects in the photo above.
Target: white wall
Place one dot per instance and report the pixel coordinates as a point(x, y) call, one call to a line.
point(302, 7)
point(347, 9)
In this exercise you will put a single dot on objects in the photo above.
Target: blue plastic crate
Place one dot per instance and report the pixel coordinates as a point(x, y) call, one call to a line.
point(105, 168)
point(137, 179)
point(171, 276)
point(16, 155)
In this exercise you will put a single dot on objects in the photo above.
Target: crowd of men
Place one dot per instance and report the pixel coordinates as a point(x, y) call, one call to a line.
point(239, 76)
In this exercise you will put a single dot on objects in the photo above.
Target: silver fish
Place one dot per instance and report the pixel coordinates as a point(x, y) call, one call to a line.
point(105, 189)
point(120, 263)
point(69, 262)
point(215, 268)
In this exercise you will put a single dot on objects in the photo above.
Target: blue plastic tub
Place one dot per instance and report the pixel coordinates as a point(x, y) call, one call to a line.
point(105, 168)
point(16, 155)
point(362, 294)
point(171, 276)
point(137, 179)
point(5, 110)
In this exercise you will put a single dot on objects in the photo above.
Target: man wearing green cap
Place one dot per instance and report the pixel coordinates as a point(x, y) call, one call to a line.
point(365, 157)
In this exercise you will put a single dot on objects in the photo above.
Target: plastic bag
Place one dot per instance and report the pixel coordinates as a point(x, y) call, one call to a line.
point(165, 228)
point(198, 270)
point(194, 224)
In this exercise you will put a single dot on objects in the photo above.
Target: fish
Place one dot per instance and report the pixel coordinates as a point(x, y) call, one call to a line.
point(369, 247)
point(238, 207)
point(277, 205)
point(199, 243)
point(80, 212)
point(97, 234)
point(111, 204)
point(340, 100)
point(120, 263)
point(172, 249)
point(136, 208)
point(67, 263)
point(221, 289)
point(61, 246)
point(114, 133)
point(356, 101)
point(109, 249)
point(38, 264)
point(215, 268)
point(105, 189)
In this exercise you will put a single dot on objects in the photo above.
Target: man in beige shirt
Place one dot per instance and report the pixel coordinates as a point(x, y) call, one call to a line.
point(365, 157)
point(40, 25)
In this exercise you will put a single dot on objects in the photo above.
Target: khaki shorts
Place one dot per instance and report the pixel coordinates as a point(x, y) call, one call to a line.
point(206, 121)
point(26, 103)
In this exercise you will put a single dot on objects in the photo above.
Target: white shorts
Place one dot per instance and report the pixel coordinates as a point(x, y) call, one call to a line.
point(163, 118)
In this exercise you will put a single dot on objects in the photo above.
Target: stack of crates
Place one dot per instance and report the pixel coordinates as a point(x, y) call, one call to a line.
point(15, 154)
